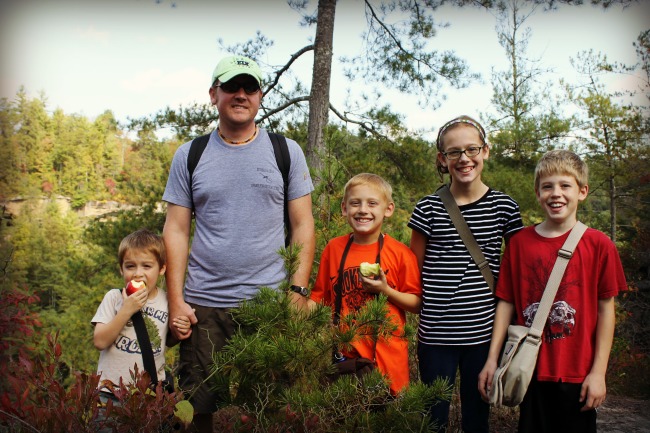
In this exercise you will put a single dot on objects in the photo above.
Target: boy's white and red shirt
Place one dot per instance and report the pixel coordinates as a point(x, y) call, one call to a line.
point(594, 273)
point(400, 266)
point(118, 360)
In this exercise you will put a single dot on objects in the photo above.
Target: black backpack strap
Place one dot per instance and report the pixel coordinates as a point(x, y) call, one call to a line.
point(196, 150)
point(283, 159)
point(145, 346)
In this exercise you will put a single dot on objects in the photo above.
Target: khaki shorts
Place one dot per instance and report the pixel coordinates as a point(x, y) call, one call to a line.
point(213, 329)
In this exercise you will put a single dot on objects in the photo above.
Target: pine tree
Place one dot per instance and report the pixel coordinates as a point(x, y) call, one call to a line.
point(273, 374)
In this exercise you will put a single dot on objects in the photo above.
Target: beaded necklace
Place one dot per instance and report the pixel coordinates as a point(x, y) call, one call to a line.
point(229, 141)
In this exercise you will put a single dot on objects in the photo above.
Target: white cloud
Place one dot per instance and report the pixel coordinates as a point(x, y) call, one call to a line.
point(152, 89)
point(92, 34)
point(155, 79)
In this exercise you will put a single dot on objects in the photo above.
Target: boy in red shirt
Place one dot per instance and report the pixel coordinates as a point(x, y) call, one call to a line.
point(367, 201)
point(569, 381)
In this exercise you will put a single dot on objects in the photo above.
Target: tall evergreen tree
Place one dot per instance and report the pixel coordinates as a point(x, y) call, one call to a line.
point(614, 132)
point(524, 124)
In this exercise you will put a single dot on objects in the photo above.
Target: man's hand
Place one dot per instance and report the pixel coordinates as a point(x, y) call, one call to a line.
point(178, 313)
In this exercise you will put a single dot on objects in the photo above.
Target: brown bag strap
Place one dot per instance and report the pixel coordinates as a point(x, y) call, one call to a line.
point(466, 235)
point(563, 256)
point(338, 287)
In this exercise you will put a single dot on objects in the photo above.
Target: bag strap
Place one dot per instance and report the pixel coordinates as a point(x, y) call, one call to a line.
point(283, 159)
point(338, 287)
point(196, 150)
point(563, 256)
point(145, 346)
point(466, 234)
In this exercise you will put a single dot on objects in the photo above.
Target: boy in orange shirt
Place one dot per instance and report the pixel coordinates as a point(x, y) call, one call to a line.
point(367, 201)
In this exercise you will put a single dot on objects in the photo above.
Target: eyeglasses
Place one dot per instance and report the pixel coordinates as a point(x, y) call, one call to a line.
point(470, 151)
point(250, 87)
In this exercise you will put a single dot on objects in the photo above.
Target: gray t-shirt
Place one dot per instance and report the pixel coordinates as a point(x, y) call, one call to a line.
point(239, 207)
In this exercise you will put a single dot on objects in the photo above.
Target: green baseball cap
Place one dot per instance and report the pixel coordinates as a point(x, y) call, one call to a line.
point(232, 66)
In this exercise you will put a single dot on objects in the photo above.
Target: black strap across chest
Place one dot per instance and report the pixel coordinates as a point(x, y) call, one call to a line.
point(282, 159)
point(145, 346)
point(338, 287)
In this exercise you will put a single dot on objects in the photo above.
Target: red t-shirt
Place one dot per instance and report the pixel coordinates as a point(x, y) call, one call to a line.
point(400, 266)
point(593, 273)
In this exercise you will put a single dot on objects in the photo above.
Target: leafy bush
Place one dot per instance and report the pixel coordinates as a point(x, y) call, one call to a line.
point(35, 399)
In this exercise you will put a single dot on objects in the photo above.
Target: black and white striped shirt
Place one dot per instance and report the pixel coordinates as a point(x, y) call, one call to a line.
point(457, 304)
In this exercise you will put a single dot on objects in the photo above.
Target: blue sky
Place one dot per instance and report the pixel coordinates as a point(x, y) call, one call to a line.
point(137, 56)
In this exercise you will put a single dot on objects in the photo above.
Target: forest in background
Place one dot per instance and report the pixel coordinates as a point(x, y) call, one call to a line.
point(69, 262)
point(57, 266)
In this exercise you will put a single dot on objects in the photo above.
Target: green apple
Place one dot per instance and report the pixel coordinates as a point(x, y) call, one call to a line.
point(369, 270)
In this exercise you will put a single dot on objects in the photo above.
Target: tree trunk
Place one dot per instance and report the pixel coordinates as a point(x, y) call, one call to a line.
point(320, 87)
point(612, 207)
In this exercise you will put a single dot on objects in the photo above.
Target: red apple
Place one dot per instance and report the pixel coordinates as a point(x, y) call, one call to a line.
point(133, 286)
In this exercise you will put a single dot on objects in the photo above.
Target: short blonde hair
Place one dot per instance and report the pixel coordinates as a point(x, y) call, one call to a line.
point(143, 240)
point(371, 180)
point(562, 161)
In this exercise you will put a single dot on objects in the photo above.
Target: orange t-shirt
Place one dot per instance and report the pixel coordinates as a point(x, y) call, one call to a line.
point(400, 266)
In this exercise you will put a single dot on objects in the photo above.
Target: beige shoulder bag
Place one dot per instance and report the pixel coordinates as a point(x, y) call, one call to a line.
point(519, 356)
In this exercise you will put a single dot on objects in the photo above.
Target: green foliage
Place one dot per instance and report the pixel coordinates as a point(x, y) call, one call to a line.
point(69, 155)
point(50, 257)
point(518, 184)
point(524, 125)
point(615, 141)
point(629, 366)
point(144, 175)
point(274, 371)
point(397, 52)
point(69, 263)
point(186, 122)
point(10, 175)
point(107, 234)
point(407, 163)
point(275, 347)
point(42, 240)
point(60, 266)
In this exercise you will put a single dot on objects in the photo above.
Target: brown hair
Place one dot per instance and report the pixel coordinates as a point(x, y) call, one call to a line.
point(452, 124)
point(143, 240)
point(372, 180)
point(562, 161)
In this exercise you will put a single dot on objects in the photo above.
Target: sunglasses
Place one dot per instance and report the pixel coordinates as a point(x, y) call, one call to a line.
point(250, 87)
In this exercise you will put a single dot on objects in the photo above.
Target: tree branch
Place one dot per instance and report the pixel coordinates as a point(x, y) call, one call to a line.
point(367, 126)
point(286, 67)
point(282, 107)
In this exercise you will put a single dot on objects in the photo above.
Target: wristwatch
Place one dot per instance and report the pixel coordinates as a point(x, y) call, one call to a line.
point(300, 290)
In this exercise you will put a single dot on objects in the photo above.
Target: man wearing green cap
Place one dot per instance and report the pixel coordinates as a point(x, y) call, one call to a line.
point(237, 193)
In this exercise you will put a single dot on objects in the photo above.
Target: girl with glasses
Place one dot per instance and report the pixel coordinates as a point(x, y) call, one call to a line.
point(458, 306)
